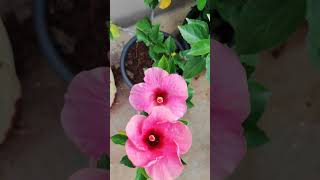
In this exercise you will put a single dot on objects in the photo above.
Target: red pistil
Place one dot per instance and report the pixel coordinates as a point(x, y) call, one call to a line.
point(152, 138)
point(160, 100)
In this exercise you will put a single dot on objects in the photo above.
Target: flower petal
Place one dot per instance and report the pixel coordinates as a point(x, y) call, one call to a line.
point(134, 131)
point(179, 133)
point(177, 106)
point(230, 82)
point(84, 115)
point(154, 76)
point(231, 106)
point(141, 97)
point(159, 114)
point(176, 86)
point(167, 168)
point(140, 158)
point(90, 174)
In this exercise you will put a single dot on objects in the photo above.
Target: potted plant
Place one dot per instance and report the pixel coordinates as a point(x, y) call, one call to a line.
point(144, 50)
point(71, 34)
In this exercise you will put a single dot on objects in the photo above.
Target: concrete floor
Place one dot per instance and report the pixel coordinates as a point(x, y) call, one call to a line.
point(37, 147)
point(291, 120)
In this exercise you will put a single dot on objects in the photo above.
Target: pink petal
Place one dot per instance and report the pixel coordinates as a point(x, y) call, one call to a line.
point(176, 86)
point(168, 168)
point(84, 115)
point(141, 97)
point(140, 158)
point(177, 106)
point(154, 76)
point(134, 131)
point(229, 146)
point(159, 114)
point(90, 174)
point(230, 83)
point(180, 134)
point(231, 106)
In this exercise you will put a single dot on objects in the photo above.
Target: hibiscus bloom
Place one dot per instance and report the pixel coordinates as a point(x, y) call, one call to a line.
point(160, 89)
point(156, 143)
point(231, 107)
point(84, 119)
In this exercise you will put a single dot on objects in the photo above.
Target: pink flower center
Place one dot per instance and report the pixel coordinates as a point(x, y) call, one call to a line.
point(152, 139)
point(159, 100)
point(160, 96)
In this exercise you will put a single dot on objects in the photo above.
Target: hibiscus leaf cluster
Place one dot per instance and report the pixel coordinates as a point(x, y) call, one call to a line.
point(166, 55)
point(269, 23)
point(196, 33)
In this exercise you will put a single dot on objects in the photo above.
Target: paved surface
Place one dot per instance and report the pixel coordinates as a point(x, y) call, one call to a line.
point(292, 118)
point(37, 147)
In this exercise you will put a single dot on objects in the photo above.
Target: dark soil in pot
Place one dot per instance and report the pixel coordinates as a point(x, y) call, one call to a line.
point(78, 29)
point(137, 60)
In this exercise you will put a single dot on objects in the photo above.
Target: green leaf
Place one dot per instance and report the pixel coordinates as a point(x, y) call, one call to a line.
point(156, 35)
point(208, 76)
point(141, 174)
point(190, 92)
point(127, 162)
point(144, 25)
point(164, 64)
point(159, 48)
point(200, 48)
point(262, 24)
point(255, 137)
point(104, 162)
point(251, 60)
point(184, 122)
point(190, 96)
point(170, 44)
point(313, 38)
point(151, 3)
point(249, 63)
point(119, 139)
point(144, 113)
point(201, 4)
point(178, 61)
point(199, 22)
point(189, 104)
point(193, 33)
point(114, 31)
point(172, 68)
point(258, 99)
point(142, 37)
point(183, 162)
point(193, 67)
point(154, 56)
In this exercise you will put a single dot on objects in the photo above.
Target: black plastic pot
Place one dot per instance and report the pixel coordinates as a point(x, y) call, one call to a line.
point(124, 54)
point(45, 42)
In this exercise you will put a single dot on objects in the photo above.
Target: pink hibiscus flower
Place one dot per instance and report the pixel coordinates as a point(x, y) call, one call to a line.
point(84, 115)
point(156, 143)
point(160, 89)
point(84, 118)
point(231, 107)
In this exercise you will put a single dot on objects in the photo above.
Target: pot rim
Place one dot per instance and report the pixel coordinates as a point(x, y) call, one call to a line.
point(124, 54)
